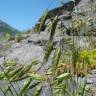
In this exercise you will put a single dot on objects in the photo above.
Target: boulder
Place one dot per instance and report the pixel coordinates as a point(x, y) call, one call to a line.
point(25, 54)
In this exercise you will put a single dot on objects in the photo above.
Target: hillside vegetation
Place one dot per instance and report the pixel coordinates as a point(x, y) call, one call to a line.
point(6, 29)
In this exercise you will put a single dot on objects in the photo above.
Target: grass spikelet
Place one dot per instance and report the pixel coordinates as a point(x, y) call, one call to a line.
point(53, 27)
point(56, 61)
point(48, 50)
point(38, 92)
point(25, 87)
point(43, 20)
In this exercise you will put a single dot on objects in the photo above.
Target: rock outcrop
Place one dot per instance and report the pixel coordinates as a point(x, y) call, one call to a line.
point(69, 6)
point(84, 9)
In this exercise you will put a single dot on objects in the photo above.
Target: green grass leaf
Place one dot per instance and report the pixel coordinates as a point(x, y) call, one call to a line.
point(25, 87)
point(65, 75)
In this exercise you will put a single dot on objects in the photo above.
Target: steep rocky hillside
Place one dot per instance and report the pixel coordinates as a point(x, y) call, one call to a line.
point(72, 16)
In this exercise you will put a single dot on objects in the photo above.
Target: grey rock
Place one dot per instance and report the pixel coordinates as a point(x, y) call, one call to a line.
point(1, 46)
point(38, 39)
point(25, 54)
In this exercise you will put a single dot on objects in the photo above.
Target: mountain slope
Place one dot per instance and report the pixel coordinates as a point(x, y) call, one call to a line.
point(4, 27)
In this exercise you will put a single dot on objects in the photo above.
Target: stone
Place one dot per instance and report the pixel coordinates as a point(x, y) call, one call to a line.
point(25, 54)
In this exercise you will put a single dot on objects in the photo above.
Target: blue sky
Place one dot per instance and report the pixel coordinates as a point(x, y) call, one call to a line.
point(23, 14)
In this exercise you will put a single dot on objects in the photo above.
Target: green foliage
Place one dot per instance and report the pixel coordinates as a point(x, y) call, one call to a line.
point(91, 55)
point(36, 76)
point(18, 37)
point(65, 75)
point(9, 63)
point(2, 76)
point(38, 91)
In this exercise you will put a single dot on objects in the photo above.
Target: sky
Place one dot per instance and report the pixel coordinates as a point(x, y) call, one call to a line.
point(23, 14)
